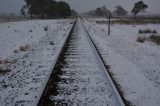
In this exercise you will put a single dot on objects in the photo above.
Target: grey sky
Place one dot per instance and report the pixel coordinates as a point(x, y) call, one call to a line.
point(14, 6)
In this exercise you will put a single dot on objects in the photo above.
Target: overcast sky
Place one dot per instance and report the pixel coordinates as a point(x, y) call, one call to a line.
point(14, 6)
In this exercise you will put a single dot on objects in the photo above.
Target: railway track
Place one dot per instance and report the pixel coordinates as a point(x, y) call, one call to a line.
point(79, 77)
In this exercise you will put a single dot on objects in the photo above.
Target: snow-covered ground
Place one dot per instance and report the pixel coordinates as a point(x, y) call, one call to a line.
point(135, 66)
point(13, 35)
point(30, 68)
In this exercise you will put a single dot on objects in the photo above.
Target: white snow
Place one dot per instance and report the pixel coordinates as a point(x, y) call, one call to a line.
point(135, 66)
point(30, 69)
point(16, 34)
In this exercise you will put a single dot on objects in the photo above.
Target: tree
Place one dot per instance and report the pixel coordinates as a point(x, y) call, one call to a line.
point(105, 10)
point(120, 11)
point(46, 9)
point(64, 9)
point(52, 9)
point(74, 13)
point(22, 11)
point(138, 6)
point(99, 11)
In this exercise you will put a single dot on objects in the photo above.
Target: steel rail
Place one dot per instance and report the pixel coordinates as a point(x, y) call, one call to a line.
point(44, 89)
point(104, 68)
point(100, 60)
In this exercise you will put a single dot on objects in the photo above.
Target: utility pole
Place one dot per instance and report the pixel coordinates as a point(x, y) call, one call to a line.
point(109, 22)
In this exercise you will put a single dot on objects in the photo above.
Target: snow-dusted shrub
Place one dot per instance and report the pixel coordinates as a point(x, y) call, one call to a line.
point(30, 30)
point(46, 28)
point(24, 48)
point(147, 31)
point(51, 43)
point(140, 31)
point(155, 39)
point(154, 32)
point(15, 51)
point(141, 39)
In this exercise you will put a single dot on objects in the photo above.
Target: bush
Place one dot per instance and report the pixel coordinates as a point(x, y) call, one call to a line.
point(140, 31)
point(141, 39)
point(147, 31)
point(155, 39)
point(25, 48)
point(30, 30)
point(15, 51)
point(154, 32)
point(46, 28)
point(51, 43)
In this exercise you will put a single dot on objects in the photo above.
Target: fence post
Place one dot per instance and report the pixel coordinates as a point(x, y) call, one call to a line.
point(109, 22)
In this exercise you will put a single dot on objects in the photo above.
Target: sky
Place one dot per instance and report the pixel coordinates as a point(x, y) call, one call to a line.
point(14, 6)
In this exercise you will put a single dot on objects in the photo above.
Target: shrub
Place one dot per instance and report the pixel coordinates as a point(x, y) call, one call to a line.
point(155, 39)
point(15, 51)
point(46, 28)
point(25, 48)
point(51, 43)
point(15, 31)
point(140, 31)
point(147, 31)
point(141, 39)
point(30, 30)
point(154, 32)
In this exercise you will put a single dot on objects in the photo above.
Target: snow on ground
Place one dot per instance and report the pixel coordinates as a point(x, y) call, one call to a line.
point(28, 69)
point(16, 34)
point(136, 66)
